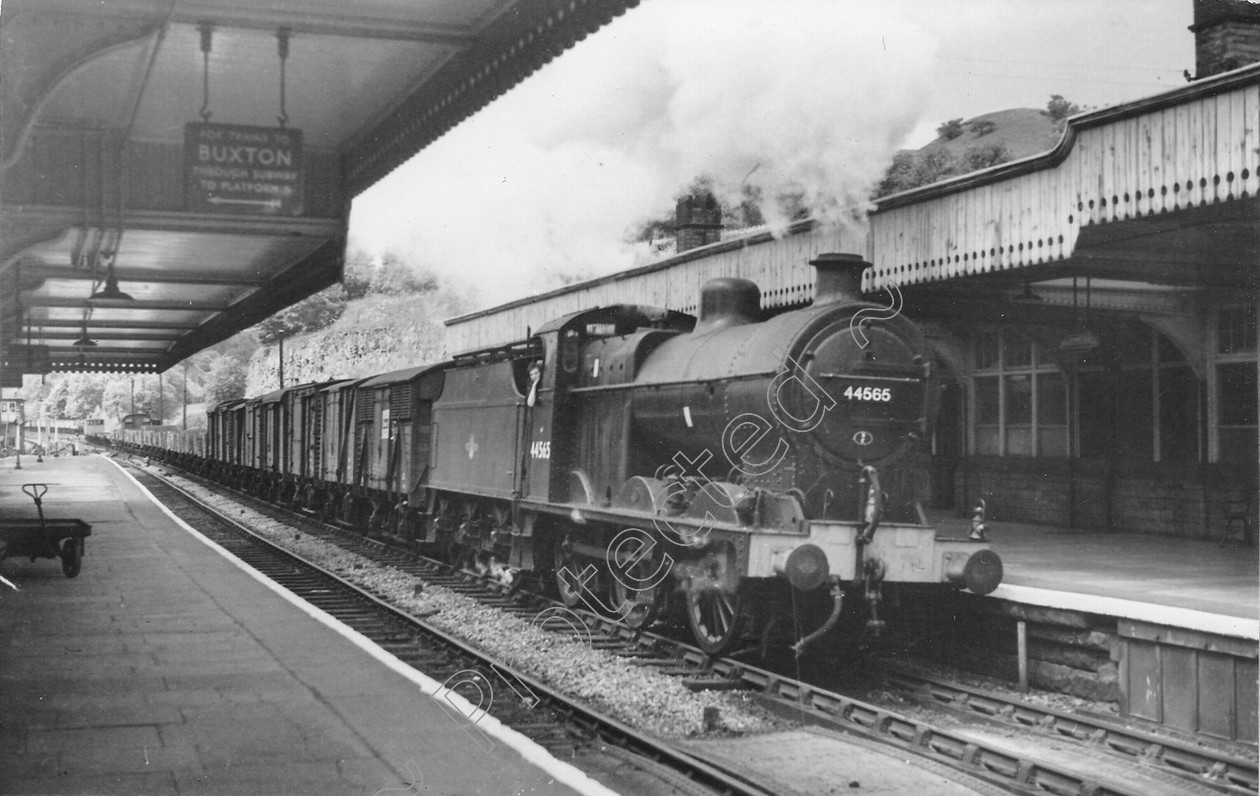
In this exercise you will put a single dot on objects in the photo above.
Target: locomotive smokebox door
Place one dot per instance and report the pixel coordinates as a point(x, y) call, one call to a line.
point(878, 389)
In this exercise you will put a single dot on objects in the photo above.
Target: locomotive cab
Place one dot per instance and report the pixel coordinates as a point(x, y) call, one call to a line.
point(578, 436)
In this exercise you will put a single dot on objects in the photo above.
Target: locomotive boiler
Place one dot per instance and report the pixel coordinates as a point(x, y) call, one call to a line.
point(639, 460)
point(744, 453)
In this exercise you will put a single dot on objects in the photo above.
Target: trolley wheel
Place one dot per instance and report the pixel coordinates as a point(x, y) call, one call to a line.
point(714, 604)
point(71, 557)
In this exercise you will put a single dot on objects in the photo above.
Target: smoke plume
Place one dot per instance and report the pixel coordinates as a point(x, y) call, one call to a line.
point(806, 98)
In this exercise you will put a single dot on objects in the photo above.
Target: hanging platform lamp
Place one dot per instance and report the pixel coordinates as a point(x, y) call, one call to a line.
point(1026, 297)
point(110, 291)
point(84, 341)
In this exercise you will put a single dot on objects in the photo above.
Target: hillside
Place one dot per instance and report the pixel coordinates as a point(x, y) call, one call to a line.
point(1023, 131)
point(376, 334)
point(969, 145)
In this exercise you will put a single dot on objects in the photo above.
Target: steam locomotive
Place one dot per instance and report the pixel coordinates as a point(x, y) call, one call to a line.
point(637, 458)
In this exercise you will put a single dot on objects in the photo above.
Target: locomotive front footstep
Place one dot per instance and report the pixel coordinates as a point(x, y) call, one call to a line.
point(44, 538)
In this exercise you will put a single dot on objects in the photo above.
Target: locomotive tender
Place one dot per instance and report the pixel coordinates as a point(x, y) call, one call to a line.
point(636, 456)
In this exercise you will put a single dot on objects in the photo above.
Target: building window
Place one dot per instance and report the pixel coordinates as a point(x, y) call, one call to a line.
point(1236, 372)
point(1236, 330)
point(1019, 398)
point(1139, 400)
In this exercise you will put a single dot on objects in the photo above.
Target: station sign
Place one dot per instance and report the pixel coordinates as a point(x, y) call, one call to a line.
point(243, 170)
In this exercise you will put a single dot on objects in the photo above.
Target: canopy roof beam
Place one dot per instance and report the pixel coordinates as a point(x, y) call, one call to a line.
point(134, 304)
point(217, 279)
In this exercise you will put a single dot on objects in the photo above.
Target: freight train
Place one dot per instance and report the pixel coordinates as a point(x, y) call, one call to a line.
point(635, 458)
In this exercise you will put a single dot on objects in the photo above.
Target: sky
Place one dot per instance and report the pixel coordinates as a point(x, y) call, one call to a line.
point(811, 96)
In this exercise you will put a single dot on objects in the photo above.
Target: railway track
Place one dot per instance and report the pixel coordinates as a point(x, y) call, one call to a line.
point(562, 725)
point(1231, 773)
point(1134, 764)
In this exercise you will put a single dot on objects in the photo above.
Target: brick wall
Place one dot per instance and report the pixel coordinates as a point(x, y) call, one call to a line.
point(698, 222)
point(1226, 35)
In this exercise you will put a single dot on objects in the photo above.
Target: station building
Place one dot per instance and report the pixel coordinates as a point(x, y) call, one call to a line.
point(1093, 308)
point(11, 420)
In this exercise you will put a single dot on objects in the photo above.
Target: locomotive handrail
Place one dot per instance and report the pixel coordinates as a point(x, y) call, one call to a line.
point(869, 377)
point(638, 385)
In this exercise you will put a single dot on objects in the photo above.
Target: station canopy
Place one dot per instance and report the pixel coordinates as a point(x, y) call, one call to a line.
point(174, 171)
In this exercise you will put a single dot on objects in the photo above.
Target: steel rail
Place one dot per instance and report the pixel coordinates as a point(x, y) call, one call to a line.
point(605, 727)
point(1229, 772)
point(1202, 766)
point(786, 696)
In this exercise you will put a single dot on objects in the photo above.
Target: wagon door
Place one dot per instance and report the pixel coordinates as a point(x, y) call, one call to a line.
point(362, 437)
point(424, 391)
point(313, 418)
point(398, 466)
point(291, 432)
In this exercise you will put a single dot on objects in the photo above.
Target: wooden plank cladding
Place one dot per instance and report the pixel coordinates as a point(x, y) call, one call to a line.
point(779, 266)
point(1190, 147)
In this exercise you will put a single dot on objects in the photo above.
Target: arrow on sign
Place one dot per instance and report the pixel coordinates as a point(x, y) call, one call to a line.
point(274, 204)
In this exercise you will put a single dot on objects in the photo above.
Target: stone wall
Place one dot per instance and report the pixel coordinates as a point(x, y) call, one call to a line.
point(374, 336)
point(1068, 652)
point(1175, 499)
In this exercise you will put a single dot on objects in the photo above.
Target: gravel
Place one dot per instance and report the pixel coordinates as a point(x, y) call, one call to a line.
point(639, 696)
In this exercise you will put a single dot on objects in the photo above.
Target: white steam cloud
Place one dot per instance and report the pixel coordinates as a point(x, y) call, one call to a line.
point(809, 97)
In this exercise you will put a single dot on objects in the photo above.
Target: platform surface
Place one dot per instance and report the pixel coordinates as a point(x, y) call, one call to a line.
point(1174, 578)
point(164, 668)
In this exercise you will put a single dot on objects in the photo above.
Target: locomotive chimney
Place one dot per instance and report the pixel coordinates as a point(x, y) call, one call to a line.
point(839, 277)
point(728, 301)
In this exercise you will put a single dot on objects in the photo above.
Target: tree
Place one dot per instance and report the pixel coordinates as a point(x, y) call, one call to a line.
point(308, 315)
point(78, 395)
point(983, 127)
point(1059, 109)
point(356, 274)
point(983, 157)
point(913, 169)
point(394, 276)
point(951, 129)
point(117, 400)
point(225, 381)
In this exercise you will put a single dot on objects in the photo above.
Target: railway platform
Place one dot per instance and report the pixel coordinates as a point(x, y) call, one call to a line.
point(165, 668)
point(1165, 627)
point(1199, 585)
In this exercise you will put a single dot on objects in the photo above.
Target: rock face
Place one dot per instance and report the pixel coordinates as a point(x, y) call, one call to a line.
point(375, 335)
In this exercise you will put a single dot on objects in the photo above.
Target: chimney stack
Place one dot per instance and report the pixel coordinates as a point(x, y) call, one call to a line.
point(697, 221)
point(839, 277)
point(1226, 35)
